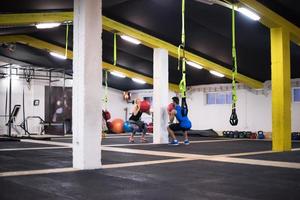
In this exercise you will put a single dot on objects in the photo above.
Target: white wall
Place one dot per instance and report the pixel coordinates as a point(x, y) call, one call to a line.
point(254, 110)
point(116, 104)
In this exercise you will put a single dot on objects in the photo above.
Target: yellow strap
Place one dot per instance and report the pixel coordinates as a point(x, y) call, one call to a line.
point(67, 40)
point(115, 49)
point(183, 25)
point(234, 57)
point(181, 58)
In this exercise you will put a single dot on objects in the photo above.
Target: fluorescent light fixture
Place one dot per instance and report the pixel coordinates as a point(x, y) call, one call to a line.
point(16, 66)
point(47, 25)
point(193, 64)
point(216, 73)
point(140, 81)
point(58, 55)
point(249, 13)
point(15, 77)
point(208, 2)
point(130, 39)
point(118, 74)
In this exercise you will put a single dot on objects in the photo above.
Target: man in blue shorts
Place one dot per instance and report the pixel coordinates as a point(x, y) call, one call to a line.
point(184, 124)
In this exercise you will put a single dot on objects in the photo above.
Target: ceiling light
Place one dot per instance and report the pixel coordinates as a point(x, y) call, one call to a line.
point(14, 76)
point(47, 25)
point(216, 73)
point(193, 64)
point(16, 66)
point(140, 81)
point(130, 39)
point(58, 55)
point(249, 13)
point(118, 74)
point(208, 2)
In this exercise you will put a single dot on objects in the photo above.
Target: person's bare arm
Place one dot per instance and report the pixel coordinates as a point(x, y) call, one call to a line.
point(135, 109)
point(172, 116)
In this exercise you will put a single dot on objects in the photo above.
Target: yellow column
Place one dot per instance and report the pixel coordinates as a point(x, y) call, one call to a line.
point(281, 90)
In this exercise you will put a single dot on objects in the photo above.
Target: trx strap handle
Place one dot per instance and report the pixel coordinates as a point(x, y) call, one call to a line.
point(181, 64)
point(233, 117)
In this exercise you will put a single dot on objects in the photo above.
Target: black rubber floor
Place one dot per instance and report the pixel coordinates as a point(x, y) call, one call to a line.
point(35, 159)
point(182, 180)
point(115, 139)
point(284, 157)
point(213, 148)
point(59, 158)
point(188, 181)
point(9, 144)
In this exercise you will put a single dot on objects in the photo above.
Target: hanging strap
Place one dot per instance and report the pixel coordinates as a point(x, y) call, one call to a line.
point(233, 118)
point(106, 72)
point(6, 99)
point(182, 22)
point(67, 41)
point(181, 63)
point(115, 49)
point(23, 102)
point(105, 90)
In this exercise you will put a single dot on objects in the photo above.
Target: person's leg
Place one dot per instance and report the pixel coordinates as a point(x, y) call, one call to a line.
point(186, 139)
point(171, 132)
point(144, 131)
point(185, 133)
point(135, 128)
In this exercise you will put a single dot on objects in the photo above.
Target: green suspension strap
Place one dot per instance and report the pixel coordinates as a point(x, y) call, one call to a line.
point(115, 49)
point(67, 41)
point(181, 64)
point(106, 73)
point(233, 118)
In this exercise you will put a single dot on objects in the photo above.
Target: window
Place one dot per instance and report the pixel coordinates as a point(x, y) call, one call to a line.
point(296, 94)
point(229, 98)
point(210, 98)
point(218, 98)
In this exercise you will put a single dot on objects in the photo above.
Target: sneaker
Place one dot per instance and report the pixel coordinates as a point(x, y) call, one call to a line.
point(131, 140)
point(174, 142)
point(143, 140)
point(186, 142)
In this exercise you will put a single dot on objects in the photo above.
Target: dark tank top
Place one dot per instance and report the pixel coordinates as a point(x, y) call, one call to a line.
point(136, 117)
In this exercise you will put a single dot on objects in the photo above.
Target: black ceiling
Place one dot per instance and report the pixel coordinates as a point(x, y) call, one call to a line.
point(208, 30)
point(289, 9)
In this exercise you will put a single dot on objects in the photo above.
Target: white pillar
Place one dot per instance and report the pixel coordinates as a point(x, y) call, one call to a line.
point(87, 81)
point(160, 95)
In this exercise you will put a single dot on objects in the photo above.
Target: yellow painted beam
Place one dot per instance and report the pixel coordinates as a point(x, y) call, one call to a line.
point(131, 74)
point(281, 89)
point(39, 44)
point(272, 20)
point(148, 40)
point(34, 18)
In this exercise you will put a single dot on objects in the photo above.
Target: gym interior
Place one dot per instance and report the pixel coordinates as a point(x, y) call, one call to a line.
point(150, 99)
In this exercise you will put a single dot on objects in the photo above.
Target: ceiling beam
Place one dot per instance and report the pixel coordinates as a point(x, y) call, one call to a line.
point(153, 42)
point(34, 18)
point(114, 26)
point(271, 19)
point(39, 44)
